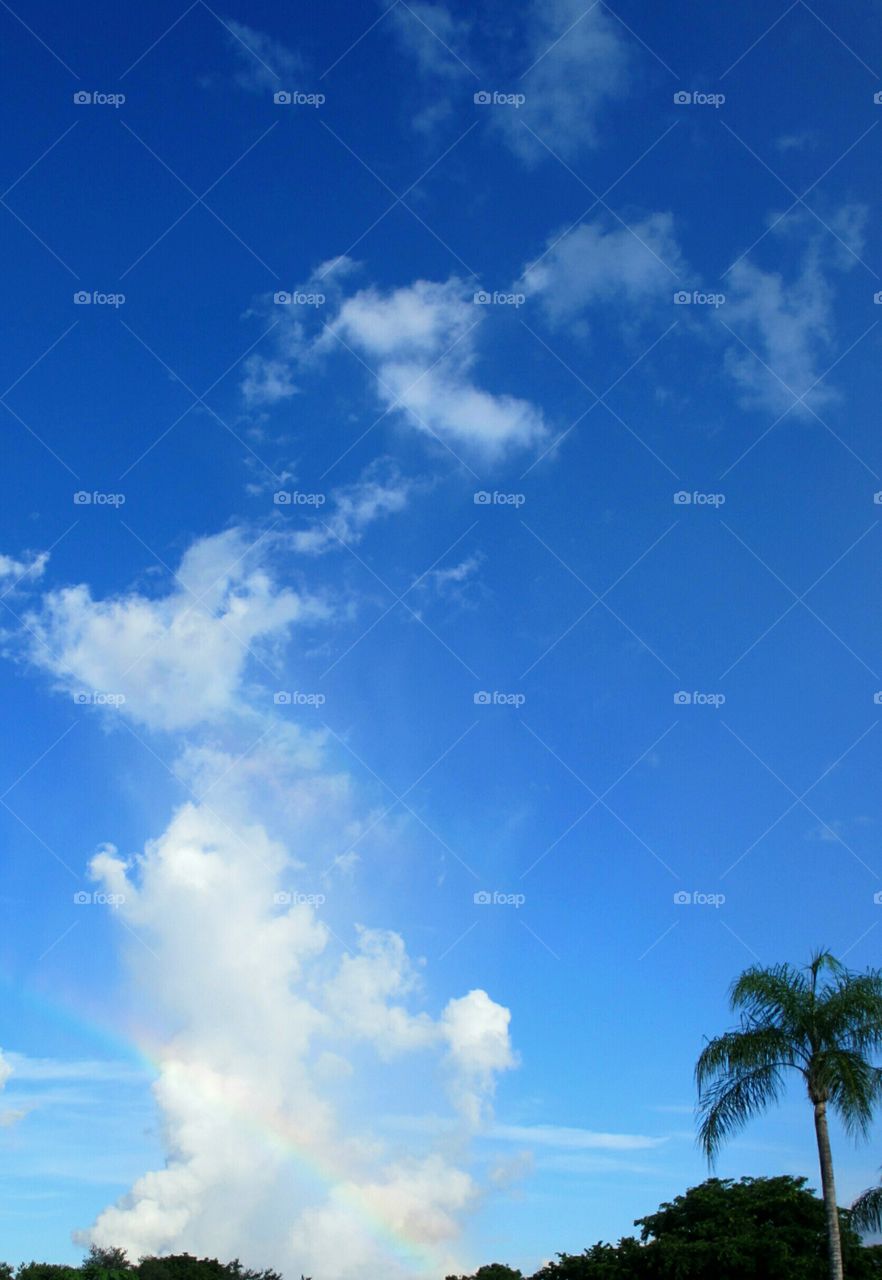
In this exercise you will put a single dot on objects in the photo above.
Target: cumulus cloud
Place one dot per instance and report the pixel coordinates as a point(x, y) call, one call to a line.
point(265, 64)
point(577, 61)
point(178, 659)
point(271, 1034)
point(422, 343)
point(421, 340)
point(260, 1004)
point(596, 265)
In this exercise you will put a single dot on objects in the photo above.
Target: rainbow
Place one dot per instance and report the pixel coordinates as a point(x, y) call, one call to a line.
point(277, 1131)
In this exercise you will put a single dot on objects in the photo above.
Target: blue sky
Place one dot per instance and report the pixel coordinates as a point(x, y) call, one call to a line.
point(324, 615)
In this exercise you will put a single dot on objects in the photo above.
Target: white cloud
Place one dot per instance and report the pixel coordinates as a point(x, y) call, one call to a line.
point(785, 317)
point(30, 568)
point(265, 63)
point(380, 492)
point(476, 1031)
point(266, 381)
point(178, 659)
point(577, 61)
point(421, 341)
point(90, 1070)
point(561, 1136)
point(613, 267)
point(788, 327)
point(432, 38)
point(455, 584)
point(274, 1039)
point(12, 1115)
point(259, 1001)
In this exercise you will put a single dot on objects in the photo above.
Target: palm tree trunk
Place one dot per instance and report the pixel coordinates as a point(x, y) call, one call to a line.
point(828, 1187)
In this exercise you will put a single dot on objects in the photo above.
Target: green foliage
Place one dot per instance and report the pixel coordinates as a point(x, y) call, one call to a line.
point(755, 1229)
point(624, 1261)
point(183, 1266)
point(772, 1227)
point(46, 1271)
point(493, 1271)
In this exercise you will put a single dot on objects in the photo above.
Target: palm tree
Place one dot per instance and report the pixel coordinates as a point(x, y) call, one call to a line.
point(819, 1020)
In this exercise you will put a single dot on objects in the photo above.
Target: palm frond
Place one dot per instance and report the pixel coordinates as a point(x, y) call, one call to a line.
point(778, 995)
point(742, 1049)
point(727, 1105)
point(853, 1086)
point(866, 1212)
point(851, 1013)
